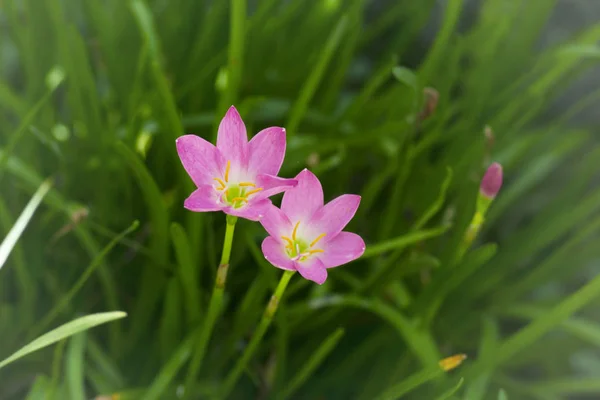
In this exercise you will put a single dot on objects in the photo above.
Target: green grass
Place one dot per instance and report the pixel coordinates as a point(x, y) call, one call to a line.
point(93, 94)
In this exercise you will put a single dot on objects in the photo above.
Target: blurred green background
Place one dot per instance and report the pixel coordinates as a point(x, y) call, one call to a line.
point(93, 94)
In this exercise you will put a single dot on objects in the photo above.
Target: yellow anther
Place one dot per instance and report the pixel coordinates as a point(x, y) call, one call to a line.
point(321, 236)
point(452, 362)
point(245, 184)
point(236, 199)
point(295, 230)
point(289, 242)
point(223, 185)
point(227, 168)
point(253, 191)
point(316, 251)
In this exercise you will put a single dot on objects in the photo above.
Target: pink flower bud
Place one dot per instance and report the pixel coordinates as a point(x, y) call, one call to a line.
point(492, 181)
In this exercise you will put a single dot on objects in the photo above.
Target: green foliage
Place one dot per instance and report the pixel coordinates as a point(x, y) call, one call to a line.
point(93, 93)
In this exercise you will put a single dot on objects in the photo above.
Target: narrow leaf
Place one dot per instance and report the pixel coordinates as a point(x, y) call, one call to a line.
point(13, 236)
point(64, 331)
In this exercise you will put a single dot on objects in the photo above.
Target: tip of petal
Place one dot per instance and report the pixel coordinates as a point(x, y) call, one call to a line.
point(355, 198)
point(306, 172)
point(232, 112)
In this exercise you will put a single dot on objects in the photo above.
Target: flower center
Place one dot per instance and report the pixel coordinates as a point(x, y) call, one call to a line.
point(297, 248)
point(235, 194)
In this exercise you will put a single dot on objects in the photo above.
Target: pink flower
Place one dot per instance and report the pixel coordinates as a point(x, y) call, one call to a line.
point(305, 235)
point(492, 181)
point(236, 176)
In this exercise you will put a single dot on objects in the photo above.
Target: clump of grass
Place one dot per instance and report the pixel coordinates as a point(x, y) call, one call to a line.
point(95, 92)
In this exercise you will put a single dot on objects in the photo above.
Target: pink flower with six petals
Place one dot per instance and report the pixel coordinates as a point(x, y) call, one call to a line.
point(236, 176)
point(306, 235)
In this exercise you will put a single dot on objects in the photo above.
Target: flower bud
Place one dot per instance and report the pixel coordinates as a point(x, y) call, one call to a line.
point(492, 181)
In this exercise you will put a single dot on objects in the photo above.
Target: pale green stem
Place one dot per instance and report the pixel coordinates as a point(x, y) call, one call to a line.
point(483, 203)
point(214, 306)
point(265, 321)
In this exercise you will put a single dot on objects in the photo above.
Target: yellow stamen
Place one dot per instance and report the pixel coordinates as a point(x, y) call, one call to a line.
point(452, 362)
point(236, 199)
point(227, 168)
point(223, 185)
point(321, 236)
point(244, 184)
point(290, 244)
point(316, 251)
point(253, 191)
point(295, 230)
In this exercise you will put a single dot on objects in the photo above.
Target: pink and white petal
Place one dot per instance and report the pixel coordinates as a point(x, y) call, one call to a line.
point(312, 269)
point(201, 159)
point(343, 248)
point(203, 199)
point(253, 211)
point(266, 151)
point(232, 139)
point(276, 223)
point(271, 185)
point(335, 215)
point(301, 202)
point(274, 252)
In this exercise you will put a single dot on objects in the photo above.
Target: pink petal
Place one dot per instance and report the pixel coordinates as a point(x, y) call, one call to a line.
point(313, 270)
point(232, 139)
point(266, 151)
point(201, 159)
point(274, 252)
point(335, 215)
point(272, 185)
point(253, 211)
point(301, 202)
point(202, 199)
point(276, 223)
point(343, 248)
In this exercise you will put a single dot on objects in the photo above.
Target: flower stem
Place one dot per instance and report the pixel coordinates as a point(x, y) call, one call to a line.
point(258, 334)
point(214, 307)
point(483, 203)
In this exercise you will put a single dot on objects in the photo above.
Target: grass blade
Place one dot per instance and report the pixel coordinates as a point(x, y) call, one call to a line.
point(541, 325)
point(68, 297)
point(410, 383)
point(13, 236)
point(169, 371)
point(312, 364)
point(418, 340)
point(75, 367)
point(188, 272)
point(312, 83)
point(452, 391)
point(64, 331)
point(403, 241)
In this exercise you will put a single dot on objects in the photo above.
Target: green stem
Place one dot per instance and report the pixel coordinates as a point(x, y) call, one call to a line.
point(258, 334)
point(214, 307)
